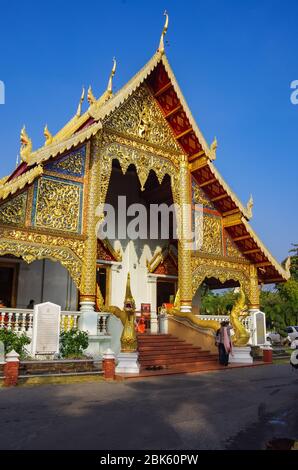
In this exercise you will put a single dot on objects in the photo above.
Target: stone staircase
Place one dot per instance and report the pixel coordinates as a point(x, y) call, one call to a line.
point(164, 352)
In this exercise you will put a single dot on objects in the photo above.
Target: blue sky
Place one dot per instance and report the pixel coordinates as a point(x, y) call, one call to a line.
point(234, 61)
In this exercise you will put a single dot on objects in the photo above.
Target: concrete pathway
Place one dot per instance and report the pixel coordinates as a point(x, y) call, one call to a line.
point(235, 409)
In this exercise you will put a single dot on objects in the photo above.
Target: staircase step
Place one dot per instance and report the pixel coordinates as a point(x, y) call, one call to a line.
point(168, 351)
point(165, 362)
point(161, 355)
point(171, 351)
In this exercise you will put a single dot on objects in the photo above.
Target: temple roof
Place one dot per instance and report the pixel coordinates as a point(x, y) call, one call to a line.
point(160, 79)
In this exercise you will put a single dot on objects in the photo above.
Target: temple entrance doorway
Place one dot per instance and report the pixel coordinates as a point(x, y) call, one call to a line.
point(214, 297)
point(8, 283)
point(166, 291)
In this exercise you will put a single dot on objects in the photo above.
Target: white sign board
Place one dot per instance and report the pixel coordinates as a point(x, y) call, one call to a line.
point(46, 329)
point(258, 336)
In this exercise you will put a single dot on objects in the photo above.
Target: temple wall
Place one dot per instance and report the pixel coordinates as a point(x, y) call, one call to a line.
point(44, 281)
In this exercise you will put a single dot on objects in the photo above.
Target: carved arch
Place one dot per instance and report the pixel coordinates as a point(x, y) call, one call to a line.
point(223, 274)
point(30, 252)
point(144, 162)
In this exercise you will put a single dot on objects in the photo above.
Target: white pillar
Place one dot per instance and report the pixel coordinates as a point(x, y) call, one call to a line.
point(152, 285)
point(88, 317)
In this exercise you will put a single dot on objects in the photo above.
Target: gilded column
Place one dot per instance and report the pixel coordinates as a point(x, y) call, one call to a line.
point(88, 320)
point(254, 290)
point(184, 242)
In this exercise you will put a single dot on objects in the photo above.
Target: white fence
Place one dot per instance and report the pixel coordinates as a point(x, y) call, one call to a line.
point(21, 321)
point(247, 321)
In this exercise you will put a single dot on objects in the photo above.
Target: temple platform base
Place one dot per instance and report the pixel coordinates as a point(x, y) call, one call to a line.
point(241, 355)
point(128, 363)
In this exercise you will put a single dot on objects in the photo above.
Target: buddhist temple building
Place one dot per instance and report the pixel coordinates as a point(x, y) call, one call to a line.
point(142, 143)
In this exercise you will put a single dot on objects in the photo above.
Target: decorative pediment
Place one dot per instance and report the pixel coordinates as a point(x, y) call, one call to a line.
point(72, 164)
point(231, 248)
point(164, 262)
point(13, 212)
point(200, 197)
point(105, 251)
point(140, 117)
point(58, 205)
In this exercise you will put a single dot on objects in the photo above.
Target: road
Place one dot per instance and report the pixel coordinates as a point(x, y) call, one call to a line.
point(236, 409)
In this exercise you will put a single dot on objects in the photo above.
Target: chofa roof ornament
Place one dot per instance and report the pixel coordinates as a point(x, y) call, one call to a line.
point(249, 206)
point(79, 110)
point(110, 83)
point(213, 148)
point(161, 47)
point(26, 146)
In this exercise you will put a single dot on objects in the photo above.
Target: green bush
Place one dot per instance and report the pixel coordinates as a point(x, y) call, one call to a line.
point(73, 343)
point(13, 341)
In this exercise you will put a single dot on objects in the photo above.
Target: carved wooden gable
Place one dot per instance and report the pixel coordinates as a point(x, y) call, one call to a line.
point(141, 117)
point(72, 164)
point(13, 211)
point(231, 249)
point(200, 197)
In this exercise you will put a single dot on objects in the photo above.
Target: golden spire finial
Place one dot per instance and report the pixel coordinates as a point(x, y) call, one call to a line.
point(110, 83)
point(249, 206)
point(26, 146)
point(161, 47)
point(48, 135)
point(213, 148)
point(79, 110)
point(90, 97)
point(129, 302)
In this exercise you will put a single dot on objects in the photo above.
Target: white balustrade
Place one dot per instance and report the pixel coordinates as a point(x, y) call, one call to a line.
point(102, 324)
point(69, 320)
point(21, 320)
point(17, 320)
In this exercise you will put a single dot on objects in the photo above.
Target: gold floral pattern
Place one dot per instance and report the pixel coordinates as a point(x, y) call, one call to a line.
point(140, 117)
point(14, 210)
point(57, 205)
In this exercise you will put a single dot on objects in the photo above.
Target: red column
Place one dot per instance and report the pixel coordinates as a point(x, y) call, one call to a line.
point(109, 365)
point(11, 369)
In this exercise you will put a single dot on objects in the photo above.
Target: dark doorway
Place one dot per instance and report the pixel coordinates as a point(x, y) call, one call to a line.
point(8, 280)
point(166, 290)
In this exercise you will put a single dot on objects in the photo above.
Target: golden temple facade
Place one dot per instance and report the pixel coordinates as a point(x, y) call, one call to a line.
point(49, 204)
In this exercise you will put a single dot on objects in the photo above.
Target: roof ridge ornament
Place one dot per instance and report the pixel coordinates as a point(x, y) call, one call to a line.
point(249, 206)
point(213, 148)
point(79, 110)
point(48, 135)
point(287, 265)
point(110, 83)
point(161, 47)
point(90, 97)
point(26, 146)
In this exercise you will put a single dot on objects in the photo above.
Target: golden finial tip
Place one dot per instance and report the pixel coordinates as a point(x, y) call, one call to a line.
point(79, 110)
point(110, 82)
point(161, 47)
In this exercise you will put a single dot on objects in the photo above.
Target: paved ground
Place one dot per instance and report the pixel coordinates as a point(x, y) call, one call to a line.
point(237, 409)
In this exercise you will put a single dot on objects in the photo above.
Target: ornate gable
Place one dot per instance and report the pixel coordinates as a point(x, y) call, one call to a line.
point(231, 248)
point(72, 164)
point(200, 197)
point(141, 117)
point(13, 212)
